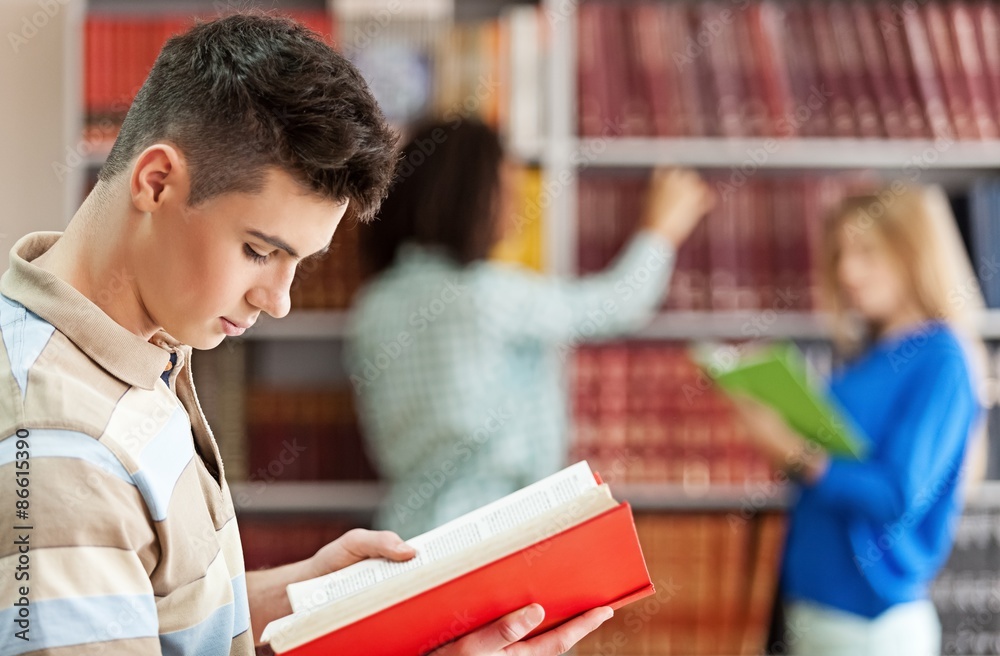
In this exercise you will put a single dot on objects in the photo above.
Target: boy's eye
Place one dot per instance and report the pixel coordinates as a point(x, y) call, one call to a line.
point(254, 255)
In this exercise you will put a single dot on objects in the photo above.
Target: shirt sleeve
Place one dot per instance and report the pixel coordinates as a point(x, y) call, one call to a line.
point(75, 562)
point(916, 460)
point(617, 300)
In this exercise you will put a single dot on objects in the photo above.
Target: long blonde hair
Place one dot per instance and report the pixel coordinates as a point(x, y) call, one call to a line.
point(917, 226)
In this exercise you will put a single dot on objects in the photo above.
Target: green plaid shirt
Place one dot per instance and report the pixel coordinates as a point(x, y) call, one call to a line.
point(459, 371)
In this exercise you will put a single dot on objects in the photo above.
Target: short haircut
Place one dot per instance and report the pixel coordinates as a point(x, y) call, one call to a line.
point(446, 195)
point(248, 92)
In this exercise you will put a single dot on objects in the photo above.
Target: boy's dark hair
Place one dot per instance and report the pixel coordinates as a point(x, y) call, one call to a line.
point(247, 92)
point(445, 194)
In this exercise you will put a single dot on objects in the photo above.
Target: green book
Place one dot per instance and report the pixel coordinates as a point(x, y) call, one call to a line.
point(776, 375)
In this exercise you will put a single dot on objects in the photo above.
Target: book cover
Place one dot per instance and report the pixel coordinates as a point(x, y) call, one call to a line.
point(776, 376)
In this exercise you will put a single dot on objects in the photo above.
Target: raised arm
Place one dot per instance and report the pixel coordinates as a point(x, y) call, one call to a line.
point(620, 298)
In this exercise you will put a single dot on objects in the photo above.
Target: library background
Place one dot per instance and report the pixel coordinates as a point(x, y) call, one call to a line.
point(809, 99)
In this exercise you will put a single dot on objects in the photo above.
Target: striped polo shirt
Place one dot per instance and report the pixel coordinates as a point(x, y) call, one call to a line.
point(128, 541)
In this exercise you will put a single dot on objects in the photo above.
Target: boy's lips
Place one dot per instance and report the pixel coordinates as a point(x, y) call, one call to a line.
point(234, 329)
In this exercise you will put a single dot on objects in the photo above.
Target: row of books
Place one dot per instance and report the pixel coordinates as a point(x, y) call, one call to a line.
point(647, 411)
point(415, 66)
point(332, 281)
point(119, 51)
point(715, 580)
point(756, 250)
point(817, 69)
point(304, 434)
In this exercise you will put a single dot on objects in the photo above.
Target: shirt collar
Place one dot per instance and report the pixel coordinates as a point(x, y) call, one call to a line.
point(122, 353)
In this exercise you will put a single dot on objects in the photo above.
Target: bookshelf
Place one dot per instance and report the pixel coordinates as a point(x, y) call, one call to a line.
point(563, 157)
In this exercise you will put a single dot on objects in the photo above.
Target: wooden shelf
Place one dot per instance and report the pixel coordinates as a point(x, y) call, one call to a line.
point(751, 324)
point(788, 153)
point(735, 325)
point(361, 498)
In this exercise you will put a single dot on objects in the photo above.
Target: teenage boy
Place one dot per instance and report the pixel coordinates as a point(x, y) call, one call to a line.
point(245, 148)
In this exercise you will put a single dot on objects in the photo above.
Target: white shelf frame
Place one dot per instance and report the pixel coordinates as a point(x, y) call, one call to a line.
point(362, 498)
point(775, 153)
point(749, 324)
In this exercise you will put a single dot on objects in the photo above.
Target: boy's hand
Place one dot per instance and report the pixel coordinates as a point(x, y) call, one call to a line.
point(677, 200)
point(503, 636)
point(357, 545)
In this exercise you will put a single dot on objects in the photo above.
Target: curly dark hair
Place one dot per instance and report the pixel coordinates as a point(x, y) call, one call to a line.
point(250, 91)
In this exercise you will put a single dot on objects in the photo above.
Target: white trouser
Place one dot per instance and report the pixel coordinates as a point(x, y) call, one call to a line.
point(911, 629)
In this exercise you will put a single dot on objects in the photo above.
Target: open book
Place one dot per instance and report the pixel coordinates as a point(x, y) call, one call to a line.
point(562, 542)
point(777, 376)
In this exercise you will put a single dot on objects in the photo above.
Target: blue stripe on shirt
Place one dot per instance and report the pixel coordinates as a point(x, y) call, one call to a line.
point(80, 620)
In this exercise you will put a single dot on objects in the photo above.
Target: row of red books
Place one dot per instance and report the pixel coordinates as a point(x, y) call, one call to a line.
point(647, 410)
point(330, 282)
point(304, 434)
point(815, 69)
point(119, 51)
point(715, 582)
point(756, 250)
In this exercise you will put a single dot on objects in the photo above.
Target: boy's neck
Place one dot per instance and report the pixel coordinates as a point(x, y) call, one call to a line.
point(93, 256)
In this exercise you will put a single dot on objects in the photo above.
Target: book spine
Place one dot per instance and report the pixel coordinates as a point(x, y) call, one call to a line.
point(873, 60)
point(844, 122)
point(951, 76)
point(926, 74)
point(963, 32)
point(853, 67)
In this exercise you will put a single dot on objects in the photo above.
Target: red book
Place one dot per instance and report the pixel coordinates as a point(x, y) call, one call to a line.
point(562, 543)
point(590, 70)
point(692, 76)
point(876, 70)
point(804, 77)
point(853, 67)
point(926, 74)
point(902, 75)
point(988, 39)
point(951, 76)
point(970, 64)
point(725, 76)
point(844, 122)
point(658, 75)
point(766, 25)
point(753, 108)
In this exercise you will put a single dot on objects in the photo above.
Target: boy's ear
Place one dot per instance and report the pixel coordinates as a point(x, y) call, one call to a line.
point(159, 175)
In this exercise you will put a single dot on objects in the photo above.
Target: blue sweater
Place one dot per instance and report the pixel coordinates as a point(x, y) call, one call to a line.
point(872, 534)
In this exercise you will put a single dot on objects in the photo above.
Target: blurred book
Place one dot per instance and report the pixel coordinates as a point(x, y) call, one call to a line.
point(776, 375)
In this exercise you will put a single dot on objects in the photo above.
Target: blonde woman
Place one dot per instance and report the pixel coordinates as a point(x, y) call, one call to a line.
point(867, 538)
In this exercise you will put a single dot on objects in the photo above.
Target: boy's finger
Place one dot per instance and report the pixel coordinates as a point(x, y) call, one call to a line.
point(561, 639)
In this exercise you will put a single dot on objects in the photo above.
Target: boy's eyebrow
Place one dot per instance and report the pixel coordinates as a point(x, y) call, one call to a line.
point(278, 242)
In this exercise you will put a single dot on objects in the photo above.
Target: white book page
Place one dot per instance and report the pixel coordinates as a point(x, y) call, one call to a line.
point(449, 538)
